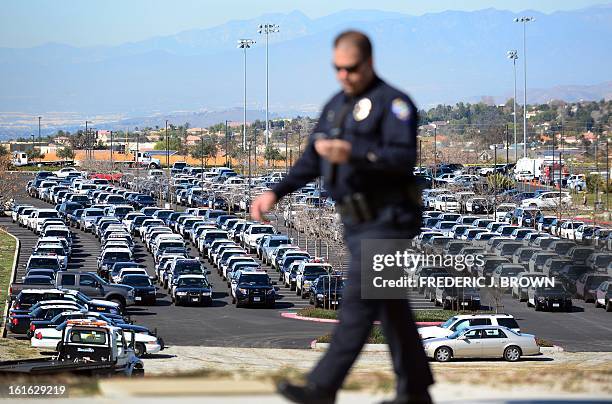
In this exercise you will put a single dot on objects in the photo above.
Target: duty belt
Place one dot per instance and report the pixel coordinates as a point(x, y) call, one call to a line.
point(360, 207)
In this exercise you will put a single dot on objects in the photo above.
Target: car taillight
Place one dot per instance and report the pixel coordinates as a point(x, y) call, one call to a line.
point(38, 335)
point(15, 321)
point(32, 327)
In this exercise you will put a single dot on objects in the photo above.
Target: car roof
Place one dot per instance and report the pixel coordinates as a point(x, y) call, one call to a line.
point(492, 315)
point(192, 276)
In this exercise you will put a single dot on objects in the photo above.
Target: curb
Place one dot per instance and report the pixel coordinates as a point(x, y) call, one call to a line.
point(554, 348)
point(296, 316)
point(181, 387)
point(12, 278)
point(322, 346)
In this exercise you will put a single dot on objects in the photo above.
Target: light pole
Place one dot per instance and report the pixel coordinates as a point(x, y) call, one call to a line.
point(87, 141)
point(524, 20)
point(39, 140)
point(245, 44)
point(202, 158)
point(435, 167)
point(111, 150)
point(513, 55)
point(267, 29)
point(226, 145)
point(168, 161)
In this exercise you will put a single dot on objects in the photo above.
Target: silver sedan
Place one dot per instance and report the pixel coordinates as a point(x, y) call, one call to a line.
point(482, 342)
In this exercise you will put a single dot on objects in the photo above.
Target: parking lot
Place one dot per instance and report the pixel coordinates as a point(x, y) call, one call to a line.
point(585, 328)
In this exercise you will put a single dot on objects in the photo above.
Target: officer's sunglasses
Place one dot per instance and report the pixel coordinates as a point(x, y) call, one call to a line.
point(349, 69)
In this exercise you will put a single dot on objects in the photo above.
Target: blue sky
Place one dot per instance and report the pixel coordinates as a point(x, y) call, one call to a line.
point(26, 23)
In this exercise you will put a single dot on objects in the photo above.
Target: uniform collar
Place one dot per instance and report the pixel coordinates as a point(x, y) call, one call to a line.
point(375, 82)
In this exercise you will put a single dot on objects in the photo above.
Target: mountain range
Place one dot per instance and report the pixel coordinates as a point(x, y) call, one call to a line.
point(440, 57)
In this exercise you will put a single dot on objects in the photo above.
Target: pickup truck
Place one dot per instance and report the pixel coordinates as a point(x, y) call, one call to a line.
point(142, 159)
point(87, 347)
point(88, 283)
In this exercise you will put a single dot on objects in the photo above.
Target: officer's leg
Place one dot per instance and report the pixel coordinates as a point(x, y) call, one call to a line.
point(356, 317)
point(409, 360)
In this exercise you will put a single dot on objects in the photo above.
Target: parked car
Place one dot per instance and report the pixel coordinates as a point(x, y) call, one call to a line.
point(482, 342)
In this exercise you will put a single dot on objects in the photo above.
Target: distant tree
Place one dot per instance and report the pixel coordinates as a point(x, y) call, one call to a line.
point(204, 149)
point(174, 143)
point(35, 154)
point(273, 154)
point(3, 151)
point(66, 153)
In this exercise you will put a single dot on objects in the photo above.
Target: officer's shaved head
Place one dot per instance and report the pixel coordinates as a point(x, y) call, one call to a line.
point(355, 39)
point(353, 61)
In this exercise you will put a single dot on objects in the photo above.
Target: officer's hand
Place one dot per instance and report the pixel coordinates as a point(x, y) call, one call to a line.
point(262, 205)
point(334, 150)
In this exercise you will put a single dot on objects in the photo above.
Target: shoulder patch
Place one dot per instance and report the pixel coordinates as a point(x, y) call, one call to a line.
point(400, 109)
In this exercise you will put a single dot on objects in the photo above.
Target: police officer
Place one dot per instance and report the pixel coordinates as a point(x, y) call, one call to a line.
point(364, 146)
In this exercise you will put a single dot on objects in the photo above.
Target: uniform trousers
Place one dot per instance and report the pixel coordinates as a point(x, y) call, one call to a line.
point(357, 315)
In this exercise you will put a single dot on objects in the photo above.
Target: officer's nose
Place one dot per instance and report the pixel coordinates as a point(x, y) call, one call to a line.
point(342, 74)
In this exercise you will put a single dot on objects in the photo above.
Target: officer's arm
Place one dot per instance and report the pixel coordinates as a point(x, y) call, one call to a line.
point(395, 148)
point(305, 169)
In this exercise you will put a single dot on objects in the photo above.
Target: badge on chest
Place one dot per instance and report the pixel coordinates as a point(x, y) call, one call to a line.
point(362, 109)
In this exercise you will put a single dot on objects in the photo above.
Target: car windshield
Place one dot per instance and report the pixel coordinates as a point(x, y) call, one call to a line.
point(50, 250)
point(448, 322)
point(188, 266)
point(315, 271)
point(136, 281)
point(122, 211)
point(276, 243)
point(262, 230)
point(336, 283)
point(57, 233)
point(193, 283)
point(556, 288)
point(255, 279)
point(94, 337)
point(42, 262)
point(48, 214)
point(117, 256)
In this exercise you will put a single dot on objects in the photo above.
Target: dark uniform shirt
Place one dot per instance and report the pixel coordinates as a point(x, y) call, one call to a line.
point(381, 125)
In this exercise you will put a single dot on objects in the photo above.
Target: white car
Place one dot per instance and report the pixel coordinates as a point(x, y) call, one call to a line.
point(446, 203)
point(47, 338)
point(548, 200)
point(568, 229)
point(463, 321)
point(64, 172)
point(254, 234)
point(502, 209)
point(577, 182)
point(39, 216)
point(132, 271)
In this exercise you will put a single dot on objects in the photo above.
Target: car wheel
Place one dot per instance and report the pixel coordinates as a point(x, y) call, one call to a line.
point(119, 302)
point(443, 354)
point(609, 306)
point(512, 353)
point(139, 349)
